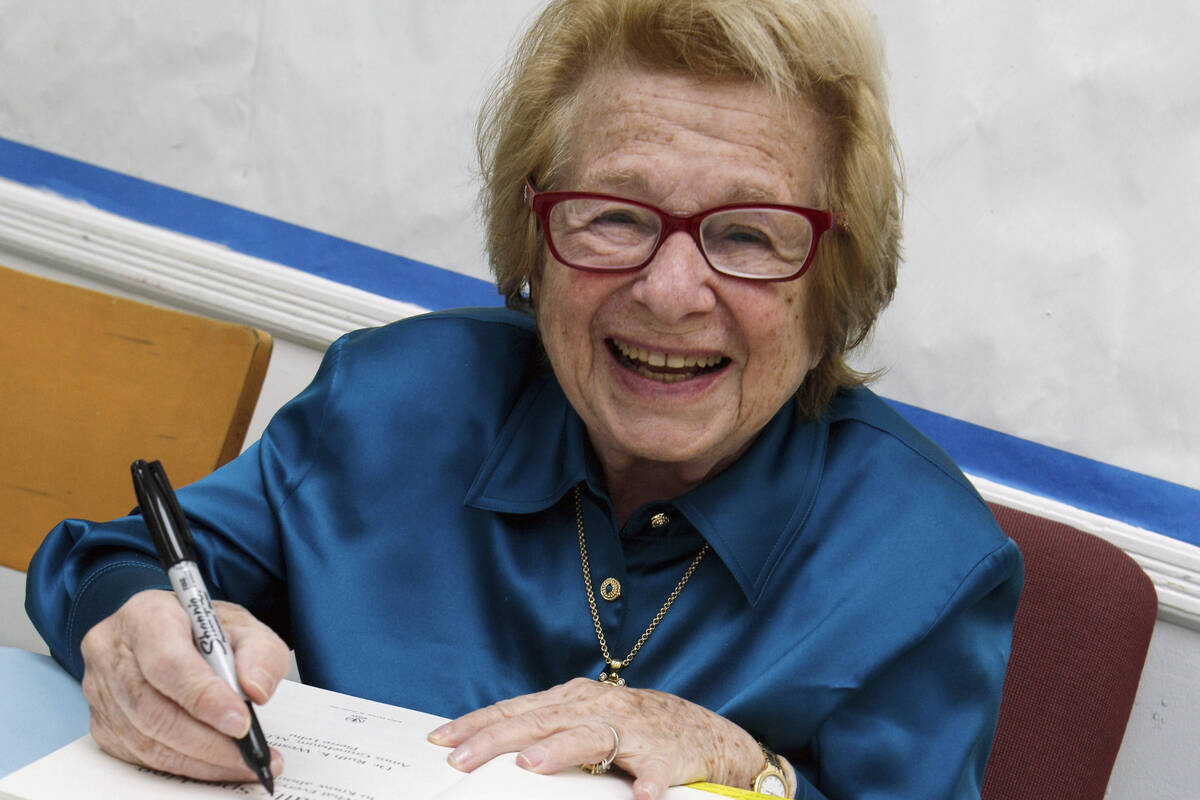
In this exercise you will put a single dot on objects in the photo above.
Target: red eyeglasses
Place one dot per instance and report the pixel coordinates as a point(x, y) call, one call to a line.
point(603, 233)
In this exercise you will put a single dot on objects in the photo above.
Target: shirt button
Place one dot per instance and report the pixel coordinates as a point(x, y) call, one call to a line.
point(610, 589)
point(659, 520)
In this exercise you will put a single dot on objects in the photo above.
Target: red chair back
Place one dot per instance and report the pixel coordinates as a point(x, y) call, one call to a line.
point(1080, 636)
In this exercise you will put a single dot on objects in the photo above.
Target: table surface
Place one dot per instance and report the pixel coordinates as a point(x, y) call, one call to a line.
point(41, 708)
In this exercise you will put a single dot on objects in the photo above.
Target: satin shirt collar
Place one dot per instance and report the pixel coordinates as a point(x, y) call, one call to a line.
point(750, 514)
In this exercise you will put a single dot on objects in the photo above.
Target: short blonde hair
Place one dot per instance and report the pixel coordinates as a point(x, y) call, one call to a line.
point(825, 53)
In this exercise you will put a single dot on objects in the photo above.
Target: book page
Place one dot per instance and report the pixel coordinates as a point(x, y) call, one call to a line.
point(334, 747)
point(502, 779)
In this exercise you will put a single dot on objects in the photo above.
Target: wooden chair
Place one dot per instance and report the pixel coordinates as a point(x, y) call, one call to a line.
point(1080, 636)
point(89, 382)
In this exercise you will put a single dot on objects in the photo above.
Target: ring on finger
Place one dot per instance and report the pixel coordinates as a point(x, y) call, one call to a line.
point(605, 765)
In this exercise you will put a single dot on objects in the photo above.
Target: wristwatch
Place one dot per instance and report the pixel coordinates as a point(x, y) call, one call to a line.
point(772, 780)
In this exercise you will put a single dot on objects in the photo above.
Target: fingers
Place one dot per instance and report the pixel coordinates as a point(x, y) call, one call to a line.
point(222, 761)
point(262, 657)
point(454, 733)
point(663, 740)
point(157, 634)
point(652, 779)
point(154, 699)
point(583, 744)
point(548, 740)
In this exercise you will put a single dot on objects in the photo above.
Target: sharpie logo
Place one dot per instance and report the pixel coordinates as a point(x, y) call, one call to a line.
point(208, 636)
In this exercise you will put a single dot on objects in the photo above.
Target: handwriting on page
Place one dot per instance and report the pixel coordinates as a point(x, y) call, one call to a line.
point(335, 751)
point(286, 788)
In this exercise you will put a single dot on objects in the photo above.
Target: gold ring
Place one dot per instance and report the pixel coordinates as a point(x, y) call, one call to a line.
point(605, 765)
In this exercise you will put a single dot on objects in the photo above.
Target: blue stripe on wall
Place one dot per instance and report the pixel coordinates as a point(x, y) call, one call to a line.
point(1150, 503)
point(1131, 497)
point(253, 234)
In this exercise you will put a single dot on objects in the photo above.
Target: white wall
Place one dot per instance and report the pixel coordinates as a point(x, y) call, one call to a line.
point(1053, 167)
point(1158, 756)
point(1050, 148)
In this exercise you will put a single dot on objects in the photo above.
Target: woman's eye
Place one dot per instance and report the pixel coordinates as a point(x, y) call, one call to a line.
point(745, 237)
point(618, 216)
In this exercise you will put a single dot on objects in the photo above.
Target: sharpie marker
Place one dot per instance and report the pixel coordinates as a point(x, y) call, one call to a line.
point(173, 541)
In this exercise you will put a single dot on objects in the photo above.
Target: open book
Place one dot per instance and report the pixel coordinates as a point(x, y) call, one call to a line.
point(335, 747)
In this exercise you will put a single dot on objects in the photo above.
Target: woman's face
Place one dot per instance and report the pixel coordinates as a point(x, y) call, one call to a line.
point(684, 146)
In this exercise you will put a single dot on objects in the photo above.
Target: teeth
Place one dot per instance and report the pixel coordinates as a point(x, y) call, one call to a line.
point(659, 359)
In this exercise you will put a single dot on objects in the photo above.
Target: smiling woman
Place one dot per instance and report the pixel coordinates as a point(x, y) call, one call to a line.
point(693, 212)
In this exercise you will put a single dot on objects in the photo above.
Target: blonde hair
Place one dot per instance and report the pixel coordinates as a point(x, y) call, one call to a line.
point(825, 53)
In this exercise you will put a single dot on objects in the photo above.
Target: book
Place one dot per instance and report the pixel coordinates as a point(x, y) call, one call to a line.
point(335, 747)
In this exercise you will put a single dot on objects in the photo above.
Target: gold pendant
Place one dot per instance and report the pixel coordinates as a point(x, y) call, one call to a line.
point(610, 675)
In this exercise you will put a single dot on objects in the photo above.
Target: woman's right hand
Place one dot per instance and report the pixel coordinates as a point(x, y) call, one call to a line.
point(156, 702)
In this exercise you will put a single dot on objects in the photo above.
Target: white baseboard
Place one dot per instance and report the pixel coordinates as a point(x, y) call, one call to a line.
point(1174, 566)
point(190, 273)
point(213, 280)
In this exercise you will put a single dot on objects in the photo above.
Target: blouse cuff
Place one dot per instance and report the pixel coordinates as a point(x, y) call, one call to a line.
point(106, 588)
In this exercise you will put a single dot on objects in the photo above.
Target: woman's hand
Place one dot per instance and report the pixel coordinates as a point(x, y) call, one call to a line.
point(664, 740)
point(156, 702)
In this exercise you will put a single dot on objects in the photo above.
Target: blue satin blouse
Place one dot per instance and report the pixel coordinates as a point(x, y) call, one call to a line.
point(407, 524)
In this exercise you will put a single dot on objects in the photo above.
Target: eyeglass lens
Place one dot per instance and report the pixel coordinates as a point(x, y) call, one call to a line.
point(601, 233)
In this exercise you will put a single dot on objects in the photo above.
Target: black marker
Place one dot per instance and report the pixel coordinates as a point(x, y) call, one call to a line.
point(173, 541)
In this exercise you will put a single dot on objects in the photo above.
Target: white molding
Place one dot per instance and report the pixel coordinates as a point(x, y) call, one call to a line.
point(210, 279)
point(184, 271)
point(1172, 565)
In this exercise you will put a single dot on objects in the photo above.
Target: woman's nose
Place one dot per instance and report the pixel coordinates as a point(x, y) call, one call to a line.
point(678, 281)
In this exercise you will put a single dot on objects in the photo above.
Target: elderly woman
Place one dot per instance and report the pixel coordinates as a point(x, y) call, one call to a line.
point(647, 516)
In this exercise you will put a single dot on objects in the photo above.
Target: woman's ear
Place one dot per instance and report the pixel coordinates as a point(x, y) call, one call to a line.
point(529, 289)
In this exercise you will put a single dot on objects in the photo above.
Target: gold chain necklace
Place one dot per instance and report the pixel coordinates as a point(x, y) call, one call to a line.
point(610, 674)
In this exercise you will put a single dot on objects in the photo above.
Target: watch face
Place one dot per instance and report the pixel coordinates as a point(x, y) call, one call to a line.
point(772, 785)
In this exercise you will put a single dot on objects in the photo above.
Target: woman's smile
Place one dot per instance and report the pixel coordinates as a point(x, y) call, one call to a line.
point(664, 366)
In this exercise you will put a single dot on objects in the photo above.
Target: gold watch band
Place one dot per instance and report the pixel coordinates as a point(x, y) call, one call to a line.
point(772, 780)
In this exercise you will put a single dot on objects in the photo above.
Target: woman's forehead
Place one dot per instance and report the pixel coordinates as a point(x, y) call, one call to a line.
point(638, 132)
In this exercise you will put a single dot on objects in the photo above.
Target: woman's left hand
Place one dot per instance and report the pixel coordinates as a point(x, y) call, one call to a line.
point(664, 740)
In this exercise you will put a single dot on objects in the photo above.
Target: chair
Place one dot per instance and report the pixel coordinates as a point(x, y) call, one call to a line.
point(89, 382)
point(1080, 636)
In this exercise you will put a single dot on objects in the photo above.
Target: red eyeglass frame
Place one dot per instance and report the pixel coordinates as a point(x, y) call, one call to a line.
point(542, 202)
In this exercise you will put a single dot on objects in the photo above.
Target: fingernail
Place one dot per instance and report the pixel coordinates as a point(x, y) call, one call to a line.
point(262, 683)
point(441, 735)
point(234, 725)
point(460, 758)
point(530, 757)
point(650, 790)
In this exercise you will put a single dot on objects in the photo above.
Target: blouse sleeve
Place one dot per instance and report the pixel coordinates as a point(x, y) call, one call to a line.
point(922, 727)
